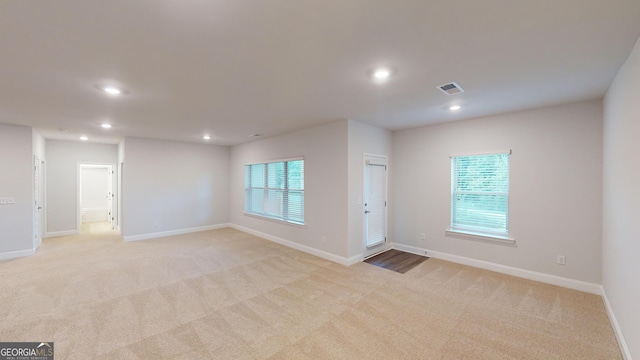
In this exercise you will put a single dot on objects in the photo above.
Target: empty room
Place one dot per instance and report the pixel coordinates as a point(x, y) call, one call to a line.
point(319, 179)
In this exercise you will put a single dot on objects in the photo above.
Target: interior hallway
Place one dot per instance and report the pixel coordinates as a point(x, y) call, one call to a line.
point(97, 228)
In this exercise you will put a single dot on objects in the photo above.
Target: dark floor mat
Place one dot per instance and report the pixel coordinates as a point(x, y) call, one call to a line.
point(395, 260)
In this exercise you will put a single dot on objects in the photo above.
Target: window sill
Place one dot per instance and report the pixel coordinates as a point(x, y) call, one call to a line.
point(479, 236)
point(275, 220)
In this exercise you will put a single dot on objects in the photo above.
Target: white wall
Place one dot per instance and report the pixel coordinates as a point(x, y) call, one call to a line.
point(324, 149)
point(16, 180)
point(63, 158)
point(173, 186)
point(555, 199)
point(94, 192)
point(364, 139)
point(621, 208)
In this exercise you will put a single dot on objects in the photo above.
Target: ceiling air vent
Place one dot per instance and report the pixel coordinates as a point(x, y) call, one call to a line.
point(451, 88)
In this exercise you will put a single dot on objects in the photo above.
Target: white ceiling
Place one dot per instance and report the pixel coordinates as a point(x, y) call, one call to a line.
point(232, 68)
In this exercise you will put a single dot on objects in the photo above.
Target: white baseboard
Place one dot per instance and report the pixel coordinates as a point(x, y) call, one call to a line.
point(409, 249)
point(16, 254)
point(504, 269)
point(353, 260)
point(616, 328)
point(173, 232)
point(61, 233)
point(304, 248)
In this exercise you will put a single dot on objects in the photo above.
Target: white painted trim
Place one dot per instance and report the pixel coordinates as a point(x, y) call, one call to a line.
point(16, 254)
point(504, 269)
point(304, 248)
point(490, 152)
point(354, 260)
point(61, 233)
point(173, 232)
point(626, 353)
point(408, 248)
point(366, 161)
point(43, 233)
point(275, 161)
point(88, 164)
point(478, 236)
point(273, 219)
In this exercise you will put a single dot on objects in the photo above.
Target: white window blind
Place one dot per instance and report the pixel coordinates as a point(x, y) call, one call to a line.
point(276, 190)
point(480, 194)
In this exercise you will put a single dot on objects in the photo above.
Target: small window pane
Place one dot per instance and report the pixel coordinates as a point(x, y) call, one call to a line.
point(296, 174)
point(257, 175)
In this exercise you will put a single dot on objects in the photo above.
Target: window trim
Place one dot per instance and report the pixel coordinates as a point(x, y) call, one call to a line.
point(478, 233)
point(481, 153)
point(479, 236)
point(275, 220)
point(285, 191)
point(275, 161)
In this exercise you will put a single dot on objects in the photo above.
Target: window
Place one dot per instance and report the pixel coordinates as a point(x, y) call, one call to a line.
point(275, 190)
point(480, 194)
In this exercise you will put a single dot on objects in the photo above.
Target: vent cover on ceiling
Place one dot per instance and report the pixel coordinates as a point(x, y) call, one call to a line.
point(451, 88)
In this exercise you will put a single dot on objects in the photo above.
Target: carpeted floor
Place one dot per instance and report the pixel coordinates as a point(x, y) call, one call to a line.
point(224, 294)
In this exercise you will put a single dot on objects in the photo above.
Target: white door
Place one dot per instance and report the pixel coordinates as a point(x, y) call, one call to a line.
point(375, 205)
point(37, 202)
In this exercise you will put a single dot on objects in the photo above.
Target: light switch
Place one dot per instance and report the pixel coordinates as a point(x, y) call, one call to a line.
point(7, 200)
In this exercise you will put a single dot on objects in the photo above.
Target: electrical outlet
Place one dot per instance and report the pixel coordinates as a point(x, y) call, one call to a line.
point(7, 200)
point(561, 260)
point(423, 236)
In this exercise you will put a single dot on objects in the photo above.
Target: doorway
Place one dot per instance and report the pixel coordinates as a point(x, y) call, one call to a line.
point(96, 198)
point(375, 204)
point(38, 201)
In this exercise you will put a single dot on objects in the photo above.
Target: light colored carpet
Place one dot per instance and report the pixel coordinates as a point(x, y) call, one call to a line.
point(225, 294)
point(96, 227)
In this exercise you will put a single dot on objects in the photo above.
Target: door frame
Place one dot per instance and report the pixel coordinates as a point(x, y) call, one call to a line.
point(39, 199)
point(83, 164)
point(366, 159)
point(119, 195)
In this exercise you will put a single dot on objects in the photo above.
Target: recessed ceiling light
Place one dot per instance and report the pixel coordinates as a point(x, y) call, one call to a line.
point(207, 137)
point(112, 90)
point(381, 74)
point(454, 107)
point(84, 138)
point(106, 126)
